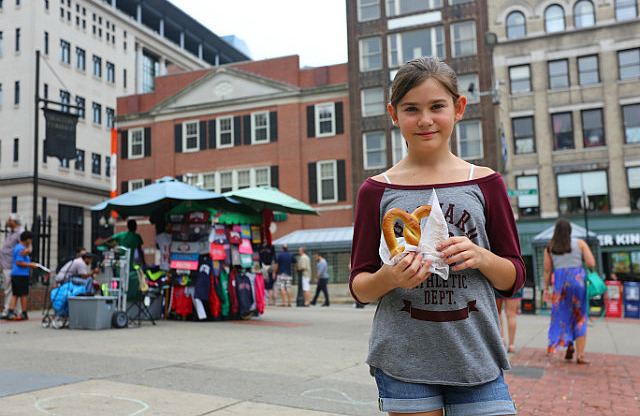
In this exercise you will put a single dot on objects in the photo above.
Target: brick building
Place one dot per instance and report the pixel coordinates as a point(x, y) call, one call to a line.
point(239, 125)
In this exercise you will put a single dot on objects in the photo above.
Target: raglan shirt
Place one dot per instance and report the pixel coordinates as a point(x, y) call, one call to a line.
point(443, 331)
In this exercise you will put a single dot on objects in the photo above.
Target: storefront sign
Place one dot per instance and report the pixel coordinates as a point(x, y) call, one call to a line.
point(60, 139)
point(627, 239)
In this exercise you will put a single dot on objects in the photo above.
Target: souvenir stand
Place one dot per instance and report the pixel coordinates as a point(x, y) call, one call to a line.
point(213, 268)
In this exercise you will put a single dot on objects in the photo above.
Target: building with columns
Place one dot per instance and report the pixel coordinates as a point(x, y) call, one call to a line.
point(91, 51)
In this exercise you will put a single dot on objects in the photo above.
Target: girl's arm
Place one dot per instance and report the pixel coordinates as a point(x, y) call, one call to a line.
point(548, 268)
point(587, 255)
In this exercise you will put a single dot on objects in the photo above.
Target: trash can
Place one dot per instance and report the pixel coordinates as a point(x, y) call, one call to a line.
point(91, 312)
point(631, 295)
point(614, 296)
point(528, 302)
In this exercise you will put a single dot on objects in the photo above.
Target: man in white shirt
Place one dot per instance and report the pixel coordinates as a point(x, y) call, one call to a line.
point(304, 267)
point(77, 271)
point(14, 225)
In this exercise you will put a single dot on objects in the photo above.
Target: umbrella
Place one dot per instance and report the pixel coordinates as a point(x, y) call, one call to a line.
point(242, 214)
point(162, 195)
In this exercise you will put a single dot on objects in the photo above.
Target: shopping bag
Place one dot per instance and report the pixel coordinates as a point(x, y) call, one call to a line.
point(594, 283)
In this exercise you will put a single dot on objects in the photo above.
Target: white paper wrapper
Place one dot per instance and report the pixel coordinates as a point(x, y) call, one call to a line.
point(433, 230)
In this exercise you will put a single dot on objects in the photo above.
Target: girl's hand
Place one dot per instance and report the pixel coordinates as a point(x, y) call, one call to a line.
point(462, 251)
point(407, 273)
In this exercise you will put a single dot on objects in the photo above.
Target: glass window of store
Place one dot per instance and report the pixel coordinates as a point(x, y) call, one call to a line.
point(375, 150)
point(528, 205)
point(399, 7)
point(572, 185)
point(592, 127)
point(372, 100)
point(558, 73)
point(562, 126)
point(554, 18)
point(588, 70)
point(520, 78)
point(583, 14)
point(516, 25)
point(368, 10)
point(469, 138)
point(629, 63)
point(631, 122)
point(464, 38)
point(524, 138)
point(405, 46)
point(370, 54)
point(633, 179)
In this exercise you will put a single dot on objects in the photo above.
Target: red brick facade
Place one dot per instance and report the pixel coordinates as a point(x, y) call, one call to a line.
point(287, 96)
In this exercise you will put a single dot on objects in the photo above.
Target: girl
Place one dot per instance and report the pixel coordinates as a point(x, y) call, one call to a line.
point(436, 343)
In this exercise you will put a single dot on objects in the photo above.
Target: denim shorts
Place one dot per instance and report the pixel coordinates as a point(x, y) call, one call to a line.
point(487, 399)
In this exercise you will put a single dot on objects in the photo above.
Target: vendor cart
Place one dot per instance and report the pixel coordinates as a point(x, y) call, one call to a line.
point(116, 271)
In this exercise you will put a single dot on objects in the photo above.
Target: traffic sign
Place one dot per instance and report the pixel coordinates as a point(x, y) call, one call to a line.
point(522, 192)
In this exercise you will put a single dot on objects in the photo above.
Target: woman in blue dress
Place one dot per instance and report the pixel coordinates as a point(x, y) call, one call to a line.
point(564, 257)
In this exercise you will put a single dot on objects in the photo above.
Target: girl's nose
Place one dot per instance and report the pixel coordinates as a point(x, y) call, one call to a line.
point(425, 119)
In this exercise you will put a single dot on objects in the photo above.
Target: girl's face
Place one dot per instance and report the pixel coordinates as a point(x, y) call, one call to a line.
point(426, 115)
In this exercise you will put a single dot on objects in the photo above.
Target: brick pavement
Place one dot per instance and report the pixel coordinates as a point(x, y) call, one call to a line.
point(546, 385)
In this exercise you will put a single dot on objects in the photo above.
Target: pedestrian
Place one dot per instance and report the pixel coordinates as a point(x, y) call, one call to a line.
point(20, 275)
point(436, 343)
point(511, 310)
point(304, 267)
point(267, 253)
point(14, 225)
point(282, 273)
point(132, 240)
point(322, 278)
point(78, 272)
point(564, 256)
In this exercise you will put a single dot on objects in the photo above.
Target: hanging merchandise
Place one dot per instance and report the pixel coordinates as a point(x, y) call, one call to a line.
point(244, 295)
point(235, 234)
point(245, 231)
point(219, 234)
point(235, 256)
point(217, 251)
point(246, 261)
point(233, 295)
point(197, 216)
point(223, 292)
point(259, 293)
point(245, 246)
point(255, 234)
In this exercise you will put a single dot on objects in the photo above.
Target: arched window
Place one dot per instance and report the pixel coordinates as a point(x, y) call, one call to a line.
point(554, 19)
point(583, 14)
point(516, 25)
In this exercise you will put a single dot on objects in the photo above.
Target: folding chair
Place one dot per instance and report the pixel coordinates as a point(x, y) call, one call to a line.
point(142, 310)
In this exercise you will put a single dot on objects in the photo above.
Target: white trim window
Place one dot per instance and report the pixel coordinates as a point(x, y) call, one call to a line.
point(327, 174)
point(136, 184)
point(224, 132)
point(226, 181)
point(464, 38)
point(399, 150)
point(325, 119)
point(135, 143)
point(209, 181)
point(413, 44)
point(260, 127)
point(243, 179)
point(372, 101)
point(469, 138)
point(400, 7)
point(370, 54)
point(375, 150)
point(464, 84)
point(190, 136)
point(262, 176)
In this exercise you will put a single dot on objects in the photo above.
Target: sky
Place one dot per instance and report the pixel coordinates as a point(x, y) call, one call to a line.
point(314, 30)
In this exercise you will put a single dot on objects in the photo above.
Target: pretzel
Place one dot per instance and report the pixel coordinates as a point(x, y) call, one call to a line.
point(411, 228)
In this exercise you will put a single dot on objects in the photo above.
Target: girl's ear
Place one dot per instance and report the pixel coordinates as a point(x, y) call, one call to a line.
point(392, 112)
point(461, 104)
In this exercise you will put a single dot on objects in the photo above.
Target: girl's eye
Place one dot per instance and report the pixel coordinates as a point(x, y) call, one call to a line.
point(437, 106)
point(410, 109)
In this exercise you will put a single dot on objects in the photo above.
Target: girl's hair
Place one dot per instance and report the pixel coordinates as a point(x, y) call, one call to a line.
point(417, 70)
point(561, 241)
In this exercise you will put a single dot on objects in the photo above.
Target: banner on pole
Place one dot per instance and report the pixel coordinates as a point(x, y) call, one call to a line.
point(60, 139)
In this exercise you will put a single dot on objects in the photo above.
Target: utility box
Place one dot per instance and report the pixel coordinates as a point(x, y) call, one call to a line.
point(631, 299)
point(614, 296)
point(91, 312)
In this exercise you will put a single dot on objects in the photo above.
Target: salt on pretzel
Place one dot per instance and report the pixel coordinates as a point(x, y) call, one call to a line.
point(411, 228)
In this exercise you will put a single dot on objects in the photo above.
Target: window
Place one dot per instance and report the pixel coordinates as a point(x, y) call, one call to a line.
point(79, 163)
point(399, 150)
point(135, 143)
point(520, 78)
point(18, 40)
point(124, 78)
point(572, 185)
point(398, 7)
point(583, 14)
point(327, 174)
point(368, 10)
point(226, 181)
point(372, 101)
point(107, 166)
point(562, 125)
point(528, 205)
point(1, 38)
point(65, 98)
point(325, 121)
point(375, 150)
point(16, 149)
point(150, 70)
point(554, 18)
point(633, 179)
point(65, 51)
point(16, 92)
point(524, 138)
point(95, 163)
point(260, 127)
point(516, 25)
point(1, 95)
point(136, 184)
point(592, 127)
point(244, 179)
point(97, 66)
point(558, 73)
point(631, 122)
point(111, 72)
point(469, 87)
point(110, 117)
point(408, 45)
point(626, 9)
point(97, 113)
point(45, 91)
point(224, 132)
point(588, 70)
point(469, 135)
point(370, 54)
point(80, 103)
point(80, 59)
point(46, 43)
point(464, 38)
point(629, 63)
point(190, 136)
point(459, 1)
point(263, 176)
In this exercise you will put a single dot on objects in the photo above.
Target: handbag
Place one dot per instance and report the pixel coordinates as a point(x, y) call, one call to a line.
point(595, 285)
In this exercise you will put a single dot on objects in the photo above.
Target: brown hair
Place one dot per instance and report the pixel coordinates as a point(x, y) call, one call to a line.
point(561, 241)
point(416, 71)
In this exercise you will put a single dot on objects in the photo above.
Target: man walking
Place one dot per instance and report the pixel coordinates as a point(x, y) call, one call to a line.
point(322, 278)
point(304, 267)
point(14, 223)
point(282, 272)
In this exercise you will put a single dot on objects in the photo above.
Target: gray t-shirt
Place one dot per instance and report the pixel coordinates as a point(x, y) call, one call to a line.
point(6, 252)
point(443, 331)
point(323, 269)
point(74, 268)
point(568, 260)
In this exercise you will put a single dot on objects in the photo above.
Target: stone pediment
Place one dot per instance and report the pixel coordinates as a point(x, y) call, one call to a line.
point(225, 86)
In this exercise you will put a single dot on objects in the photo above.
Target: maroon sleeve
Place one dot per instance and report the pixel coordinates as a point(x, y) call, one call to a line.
point(501, 228)
point(366, 232)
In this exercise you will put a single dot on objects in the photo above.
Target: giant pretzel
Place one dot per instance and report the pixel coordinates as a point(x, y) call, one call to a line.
point(411, 228)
